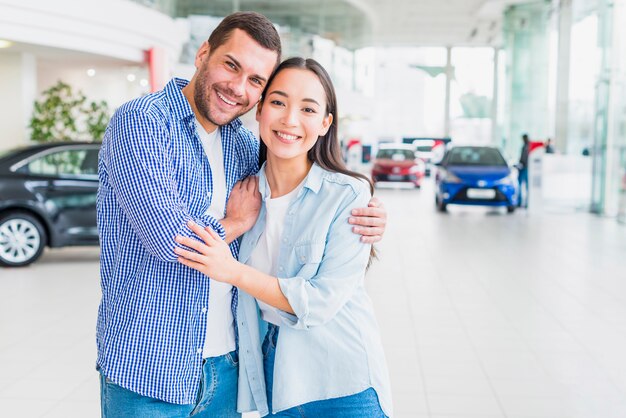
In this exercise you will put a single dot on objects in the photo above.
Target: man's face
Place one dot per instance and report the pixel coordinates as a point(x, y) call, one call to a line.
point(231, 78)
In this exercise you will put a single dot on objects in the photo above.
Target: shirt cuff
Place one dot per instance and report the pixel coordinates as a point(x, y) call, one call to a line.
point(294, 290)
point(215, 224)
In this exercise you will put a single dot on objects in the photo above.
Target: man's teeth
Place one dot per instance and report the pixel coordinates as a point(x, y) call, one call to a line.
point(226, 100)
point(286, 136)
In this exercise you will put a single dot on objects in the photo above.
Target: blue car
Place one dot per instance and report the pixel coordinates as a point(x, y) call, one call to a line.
point(469, 175)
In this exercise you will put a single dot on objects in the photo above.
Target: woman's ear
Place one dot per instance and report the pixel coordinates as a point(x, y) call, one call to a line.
point(326, 123)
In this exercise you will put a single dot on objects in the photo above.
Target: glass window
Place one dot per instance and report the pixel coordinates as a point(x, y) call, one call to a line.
point(74, 162)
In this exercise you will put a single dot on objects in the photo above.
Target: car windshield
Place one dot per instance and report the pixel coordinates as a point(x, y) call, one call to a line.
point(475, 156)
point(395, 154)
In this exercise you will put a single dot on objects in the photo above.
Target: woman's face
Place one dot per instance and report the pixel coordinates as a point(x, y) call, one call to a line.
point(293, 114)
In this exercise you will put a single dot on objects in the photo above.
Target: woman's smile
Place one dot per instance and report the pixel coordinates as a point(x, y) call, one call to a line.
point(286, 138)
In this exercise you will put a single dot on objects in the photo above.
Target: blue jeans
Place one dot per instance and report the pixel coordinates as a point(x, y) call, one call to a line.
point(360, 405)
point(217, 397)
point(522, 197)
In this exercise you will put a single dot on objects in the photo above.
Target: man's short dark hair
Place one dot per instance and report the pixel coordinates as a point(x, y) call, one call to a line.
point(257, 26)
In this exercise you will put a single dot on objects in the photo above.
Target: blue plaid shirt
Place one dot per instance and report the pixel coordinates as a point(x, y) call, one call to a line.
point(154, 177)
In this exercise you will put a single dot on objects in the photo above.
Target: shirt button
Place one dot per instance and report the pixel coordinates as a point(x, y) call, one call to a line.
point(242, 324)
point(203, 310)
point(284, 239)
point(280, 268)
point(199, 351)
point(303, 258)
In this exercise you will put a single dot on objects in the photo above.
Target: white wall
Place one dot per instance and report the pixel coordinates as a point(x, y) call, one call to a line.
point(109, 83)
point(17, 70)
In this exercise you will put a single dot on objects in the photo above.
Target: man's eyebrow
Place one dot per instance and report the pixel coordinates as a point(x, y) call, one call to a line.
point(238, 65)
point(282, 93)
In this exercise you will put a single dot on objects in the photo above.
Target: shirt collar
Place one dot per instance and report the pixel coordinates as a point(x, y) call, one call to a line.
point(313, 180)
point(180, 105)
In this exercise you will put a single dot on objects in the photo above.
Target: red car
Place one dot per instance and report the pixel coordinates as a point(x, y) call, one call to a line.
point(398, 163)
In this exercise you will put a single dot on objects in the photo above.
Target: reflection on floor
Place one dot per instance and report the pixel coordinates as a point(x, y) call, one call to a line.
point(483, 314)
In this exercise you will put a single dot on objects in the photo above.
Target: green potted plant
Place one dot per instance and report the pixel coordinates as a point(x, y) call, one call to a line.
point(65, 115)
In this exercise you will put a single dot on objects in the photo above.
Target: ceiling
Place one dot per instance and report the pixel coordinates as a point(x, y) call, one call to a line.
point(47, 55)
point(359, 23)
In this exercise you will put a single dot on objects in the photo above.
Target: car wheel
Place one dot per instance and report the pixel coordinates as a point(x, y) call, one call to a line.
point(441, 207)
point(22, 239)
point(510, 209)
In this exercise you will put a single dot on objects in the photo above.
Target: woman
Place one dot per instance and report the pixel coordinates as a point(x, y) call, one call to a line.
point(322, 355)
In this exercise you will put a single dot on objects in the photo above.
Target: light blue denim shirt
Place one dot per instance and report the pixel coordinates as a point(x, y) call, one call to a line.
point(331, 347)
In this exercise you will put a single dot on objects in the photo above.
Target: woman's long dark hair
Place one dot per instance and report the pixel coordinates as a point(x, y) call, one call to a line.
point(326, 152)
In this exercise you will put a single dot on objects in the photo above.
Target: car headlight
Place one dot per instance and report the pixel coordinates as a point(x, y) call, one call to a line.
point(448, 177)
point(506, 181)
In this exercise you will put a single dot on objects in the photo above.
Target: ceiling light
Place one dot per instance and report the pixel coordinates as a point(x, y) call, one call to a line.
point(143, 82)
point(91, 72)
point(131, 77)
point(5, 44)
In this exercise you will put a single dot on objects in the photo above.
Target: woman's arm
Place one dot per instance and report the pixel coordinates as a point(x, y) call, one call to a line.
point(313, 301)
point(214, 259)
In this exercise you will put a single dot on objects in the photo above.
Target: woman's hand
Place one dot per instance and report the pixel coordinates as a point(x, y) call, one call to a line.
point(213, 257)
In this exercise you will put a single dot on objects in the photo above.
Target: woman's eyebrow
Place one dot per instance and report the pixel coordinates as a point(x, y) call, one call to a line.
point(311, 101)
point(279, 92)
point(282, 93)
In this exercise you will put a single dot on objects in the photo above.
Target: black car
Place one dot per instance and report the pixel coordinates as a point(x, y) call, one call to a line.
point(47, 198)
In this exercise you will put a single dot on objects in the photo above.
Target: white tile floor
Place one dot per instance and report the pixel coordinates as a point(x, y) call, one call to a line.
point(483, 315)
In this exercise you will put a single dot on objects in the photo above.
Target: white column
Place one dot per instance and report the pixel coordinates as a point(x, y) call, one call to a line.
point(446, 120)
point(614, 137)
point(495, 140)
point(18, 85)
point(563, 72)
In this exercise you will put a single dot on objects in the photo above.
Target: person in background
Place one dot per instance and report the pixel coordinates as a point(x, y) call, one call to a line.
point(522, 177)
point(548, 147)
point(322, 354)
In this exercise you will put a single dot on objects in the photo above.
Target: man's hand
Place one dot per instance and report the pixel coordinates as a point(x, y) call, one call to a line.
point(242, 209)
point(371, 221)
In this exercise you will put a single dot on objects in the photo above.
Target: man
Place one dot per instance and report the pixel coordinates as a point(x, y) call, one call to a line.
point(522, 178)
point(166, 334)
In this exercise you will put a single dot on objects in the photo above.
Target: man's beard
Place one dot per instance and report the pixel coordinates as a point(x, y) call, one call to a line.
point(201, 96)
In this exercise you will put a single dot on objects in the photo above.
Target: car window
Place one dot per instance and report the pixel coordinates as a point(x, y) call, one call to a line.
point(74, 162)
point(395, 154)
point(475, 156)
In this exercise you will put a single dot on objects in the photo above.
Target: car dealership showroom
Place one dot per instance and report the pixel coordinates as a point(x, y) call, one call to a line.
point(493, 133)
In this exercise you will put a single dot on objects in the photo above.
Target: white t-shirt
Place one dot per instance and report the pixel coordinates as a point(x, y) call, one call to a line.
point(264, 257)
point(220, 327)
